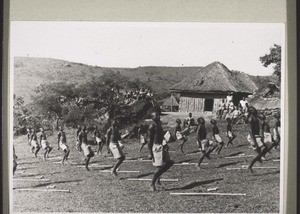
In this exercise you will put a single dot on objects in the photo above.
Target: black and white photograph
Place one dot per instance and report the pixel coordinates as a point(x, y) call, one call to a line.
point(146, 117)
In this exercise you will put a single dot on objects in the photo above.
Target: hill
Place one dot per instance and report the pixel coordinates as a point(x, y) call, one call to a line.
point(31, 72)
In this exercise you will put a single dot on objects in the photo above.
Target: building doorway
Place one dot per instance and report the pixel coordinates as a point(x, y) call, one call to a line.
point(208, 104)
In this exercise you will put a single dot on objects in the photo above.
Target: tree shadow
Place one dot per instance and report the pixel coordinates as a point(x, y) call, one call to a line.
point(229, 164)
point(195, 184)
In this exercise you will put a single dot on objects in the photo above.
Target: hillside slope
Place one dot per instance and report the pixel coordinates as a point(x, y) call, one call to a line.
point(30, 72)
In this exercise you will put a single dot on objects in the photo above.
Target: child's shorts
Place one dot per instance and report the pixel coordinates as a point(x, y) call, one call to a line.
point(143, 139)
point(98, 140)
point(205, 144)
point(116, 150)
point(267, 137)
point(45, 144)
point(160, 155)
point(218, 138)
point(179, 135)
point(87, 150)
point(63, 146)
point(229, 134)
point(258, 140)
point(34, 144)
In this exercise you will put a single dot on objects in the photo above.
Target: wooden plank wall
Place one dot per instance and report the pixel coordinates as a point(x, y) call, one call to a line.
point(193, 104)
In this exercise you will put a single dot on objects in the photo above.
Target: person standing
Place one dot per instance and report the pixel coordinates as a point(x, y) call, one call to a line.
point(112, 142)
point(161, 157)
point(35, 147)
point(45, 144)
point(62, 144)
point(87, 150)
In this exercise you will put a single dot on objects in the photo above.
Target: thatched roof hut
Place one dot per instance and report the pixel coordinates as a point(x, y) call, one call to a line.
point(205, 90)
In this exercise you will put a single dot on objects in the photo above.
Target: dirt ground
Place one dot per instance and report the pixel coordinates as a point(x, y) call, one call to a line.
point(99, 191)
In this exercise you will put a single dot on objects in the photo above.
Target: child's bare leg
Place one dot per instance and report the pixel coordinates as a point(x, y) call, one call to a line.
point(220, 148)
point(182, 144)
point(87, 163)
point(45, 154)
point(36, 151)
point(142, 147)
point(119, 162)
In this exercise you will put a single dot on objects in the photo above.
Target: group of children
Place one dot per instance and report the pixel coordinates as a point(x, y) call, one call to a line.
point(260, 138)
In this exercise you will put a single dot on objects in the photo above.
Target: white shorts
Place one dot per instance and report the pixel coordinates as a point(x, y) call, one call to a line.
point(116, 150)
point(229, 134)
point(34, 144)
point(258, 140)
point(160, 155)
point(205, 144)
point(218, 138)
point(267, 137)
point(98, 140)
point(179, 135)
point(63, 145)
point(45, 144)
point(87, 150)
point(142, 140)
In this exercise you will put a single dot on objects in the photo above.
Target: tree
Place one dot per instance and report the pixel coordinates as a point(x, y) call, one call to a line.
point(274, 57)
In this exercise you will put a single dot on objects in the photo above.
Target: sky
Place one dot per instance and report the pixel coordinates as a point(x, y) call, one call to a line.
point(112, 44)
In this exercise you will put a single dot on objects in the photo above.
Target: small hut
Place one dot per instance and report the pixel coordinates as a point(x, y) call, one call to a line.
point(205, 90)
point(170, 104)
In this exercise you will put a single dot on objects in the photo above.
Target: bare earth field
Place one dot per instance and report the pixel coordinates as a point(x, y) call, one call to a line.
point(99, 191)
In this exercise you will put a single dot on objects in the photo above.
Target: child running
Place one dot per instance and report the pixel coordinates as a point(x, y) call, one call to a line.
point(216, 136)
point(112, 143)
point(142, 135)
point(206, 146)
point(77, 144)
point(62, 144)
point(161, 157)
point(269, 144)
point(87, 150)
point(35, 148)
point(229, 132)
point(45, 144)
point(180, 135)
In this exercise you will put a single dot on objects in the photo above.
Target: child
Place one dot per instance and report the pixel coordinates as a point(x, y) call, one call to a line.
point(14, 160)
point(142, 135)
point(98, 139)
point(229, 133)
point(206, 146)
point(269, 144)
point(45, 144)
point(112, 143)
point(216, 136)
point(180, 134)
point(87, 150)
point(28, 136)
point(77, 145)
point(161, 157)
point(35, 148)
point(62, 144)
point(276, 131)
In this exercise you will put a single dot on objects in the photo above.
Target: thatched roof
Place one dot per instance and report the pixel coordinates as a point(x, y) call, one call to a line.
point(170, 101)
point(216, 77)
